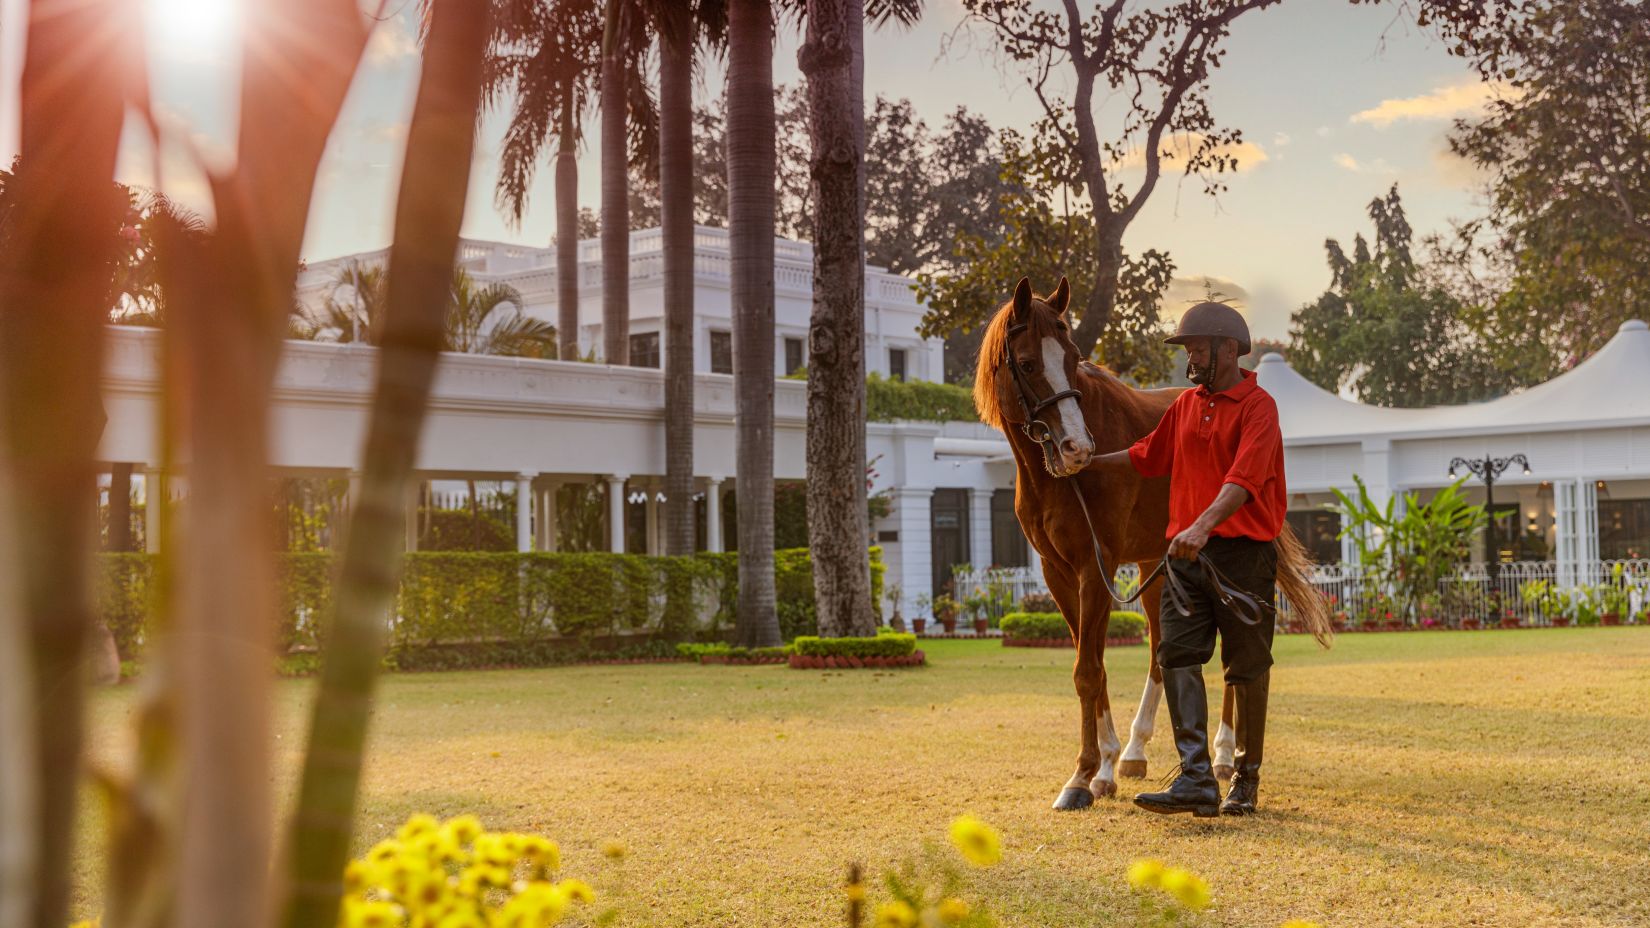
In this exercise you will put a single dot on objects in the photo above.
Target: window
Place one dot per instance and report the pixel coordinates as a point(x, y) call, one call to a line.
point(793, 355)
point(644, 349)
point(721, 352)
point(896, 363)
point(1318, 531)
point(1623, 529)
point(1008, 542)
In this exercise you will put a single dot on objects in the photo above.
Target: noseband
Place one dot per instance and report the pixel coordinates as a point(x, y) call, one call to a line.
point(1031, 407)
point(1241, 604)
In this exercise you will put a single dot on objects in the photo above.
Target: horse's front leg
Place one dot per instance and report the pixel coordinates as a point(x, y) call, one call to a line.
point(1063, 586)
point(1097, 760)
point(1133, 764)
point(1225, 740)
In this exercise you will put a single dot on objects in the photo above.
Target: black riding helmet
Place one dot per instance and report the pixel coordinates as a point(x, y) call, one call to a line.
point(1212, 320)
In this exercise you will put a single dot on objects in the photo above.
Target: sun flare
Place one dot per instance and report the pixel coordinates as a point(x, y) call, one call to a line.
point(193, 28)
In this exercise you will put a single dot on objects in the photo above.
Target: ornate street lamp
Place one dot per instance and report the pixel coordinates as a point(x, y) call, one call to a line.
point(1488, 469)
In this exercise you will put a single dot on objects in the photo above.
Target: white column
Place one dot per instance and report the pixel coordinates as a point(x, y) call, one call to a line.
point(615, 512)
point(524, 512)
point(1587, 531)
point(713, 514)
point(913, 514)
point(1565, 527)
point(979, 527)
point(154, 507)
point(352, 496)
point(652, 517)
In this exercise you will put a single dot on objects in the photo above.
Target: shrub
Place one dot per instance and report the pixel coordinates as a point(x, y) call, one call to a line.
point(889, 400)
point(1039, 602)
point(1044, 625)
point(697, 651)
point(892, 645)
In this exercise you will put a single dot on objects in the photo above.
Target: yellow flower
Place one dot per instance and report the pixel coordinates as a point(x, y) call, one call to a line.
point(384, 851)
point(855, 891)
point(577, 891)
point(359, 914)
point(1187, 887)
point(1146, 873)
point(1300, 923)
point(417, 825)
point(464, 829)
point(977, 841)
point(541, 851)
point(88, 923)
point(614, 850)
point(463, 918)
point(952, 911)
point(357, 876)
point(896, 914)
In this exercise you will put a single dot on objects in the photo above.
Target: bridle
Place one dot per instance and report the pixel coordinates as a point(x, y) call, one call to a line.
point(1246, 607)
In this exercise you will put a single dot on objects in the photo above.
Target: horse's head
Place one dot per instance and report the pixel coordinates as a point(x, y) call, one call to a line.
point(1027, 375)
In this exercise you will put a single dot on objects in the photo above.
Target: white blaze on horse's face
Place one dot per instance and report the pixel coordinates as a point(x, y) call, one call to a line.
point(1074, 444)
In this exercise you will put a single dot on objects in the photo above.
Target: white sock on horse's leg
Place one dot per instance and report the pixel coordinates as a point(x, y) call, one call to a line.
point(1140, 732)
point(1225, 748)
point(1105, 782)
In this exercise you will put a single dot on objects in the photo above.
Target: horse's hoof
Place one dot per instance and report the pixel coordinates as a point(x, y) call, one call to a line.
point(1132, 769)
point(1103, 789)
point(1224, 773)
point(1074, 798)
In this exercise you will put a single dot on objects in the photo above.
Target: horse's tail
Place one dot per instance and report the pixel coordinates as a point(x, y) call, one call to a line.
point(1308, 605)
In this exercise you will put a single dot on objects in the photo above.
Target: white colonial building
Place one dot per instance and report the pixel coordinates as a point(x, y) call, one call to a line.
point(544, 425)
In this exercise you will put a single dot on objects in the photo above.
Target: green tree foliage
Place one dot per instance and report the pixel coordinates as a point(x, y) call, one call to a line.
point(1384, 330)
point(480, 319)
point(1039, 233)
point(1566, 149)
point(890, 400)
point(1411, 548)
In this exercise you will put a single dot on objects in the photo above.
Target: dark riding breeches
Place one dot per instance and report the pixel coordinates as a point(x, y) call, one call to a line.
point(1188, 640)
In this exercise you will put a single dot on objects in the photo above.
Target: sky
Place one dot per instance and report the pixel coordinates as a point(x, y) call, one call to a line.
point(1336, 103)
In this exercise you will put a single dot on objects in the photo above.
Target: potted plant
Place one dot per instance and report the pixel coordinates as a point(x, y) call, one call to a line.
point(1614, 599)
point(895, 595)
point(1431, 606)
point(975, 608)
point(945, 612)
point(1585, 602)
point(1509, 619)
point(919, 622)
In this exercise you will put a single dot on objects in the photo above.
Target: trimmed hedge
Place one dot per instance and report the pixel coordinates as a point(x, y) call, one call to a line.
point(486, 608)
point(894, 645)
point(699, 651)
point(1043, 625)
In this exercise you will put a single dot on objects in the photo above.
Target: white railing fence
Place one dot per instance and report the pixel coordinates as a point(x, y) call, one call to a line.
point(1527, 591)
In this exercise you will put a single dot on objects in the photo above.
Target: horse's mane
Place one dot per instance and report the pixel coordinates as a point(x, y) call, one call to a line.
point(991, 354)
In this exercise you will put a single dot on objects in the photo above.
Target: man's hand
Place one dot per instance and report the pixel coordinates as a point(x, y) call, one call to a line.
point(1188, 543)
point(1111, 461)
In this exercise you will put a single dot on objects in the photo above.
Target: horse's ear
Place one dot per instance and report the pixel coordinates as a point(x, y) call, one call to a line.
point(1061, 297)
point(1022, 299)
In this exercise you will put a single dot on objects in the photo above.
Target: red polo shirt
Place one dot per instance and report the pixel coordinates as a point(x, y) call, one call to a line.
point(1209, 439)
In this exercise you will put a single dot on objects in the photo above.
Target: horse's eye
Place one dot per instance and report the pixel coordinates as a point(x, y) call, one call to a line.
point(1028, 366)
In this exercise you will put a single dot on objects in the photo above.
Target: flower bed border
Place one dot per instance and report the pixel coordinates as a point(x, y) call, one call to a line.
point(725, 659)
point(1067, 642)
point(817, 662)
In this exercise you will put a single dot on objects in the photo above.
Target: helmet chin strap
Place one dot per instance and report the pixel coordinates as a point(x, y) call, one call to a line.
point(1209, 375)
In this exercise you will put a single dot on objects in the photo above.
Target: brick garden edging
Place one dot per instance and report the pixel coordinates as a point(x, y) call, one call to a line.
point(816, 662)
point(740, 661)
point(1066, 642)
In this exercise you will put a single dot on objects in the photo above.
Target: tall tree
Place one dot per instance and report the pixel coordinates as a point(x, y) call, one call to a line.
point(1565, 150)
point(836, 333)
point(623, 89)
point(677, 26)
point(1162, 56)
point(543, 55)
point(751, 204)
point(440, 143)
point(1383, 331)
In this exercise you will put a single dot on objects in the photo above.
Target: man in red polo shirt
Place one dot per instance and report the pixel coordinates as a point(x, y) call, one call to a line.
point(1221, 448)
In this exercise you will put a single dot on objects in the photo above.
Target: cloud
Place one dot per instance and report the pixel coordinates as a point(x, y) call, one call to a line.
point(1378, 166)
point(1185, 292)
point(1324, 132)
point(1462, 99)
point(391, 42)
point(1178, 149)
point(1280, 140)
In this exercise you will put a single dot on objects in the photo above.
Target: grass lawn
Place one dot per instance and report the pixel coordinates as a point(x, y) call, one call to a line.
point(1489, 778)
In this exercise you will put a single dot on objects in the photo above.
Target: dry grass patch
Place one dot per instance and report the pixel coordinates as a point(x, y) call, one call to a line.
point(1490, 778)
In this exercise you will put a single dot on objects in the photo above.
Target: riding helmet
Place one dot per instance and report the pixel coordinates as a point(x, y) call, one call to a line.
point(1212, 320)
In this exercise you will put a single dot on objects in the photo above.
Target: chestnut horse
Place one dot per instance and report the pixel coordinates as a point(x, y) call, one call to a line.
point(1081, 410)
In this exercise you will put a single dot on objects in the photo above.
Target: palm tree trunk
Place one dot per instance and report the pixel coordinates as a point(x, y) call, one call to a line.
point(567, 232)
point(751, 167)
point(836, 336)
point(615, 185)
point(440, 142)
point(53, 286)
point(475, 517)
point(120, 507)
point(676, 215)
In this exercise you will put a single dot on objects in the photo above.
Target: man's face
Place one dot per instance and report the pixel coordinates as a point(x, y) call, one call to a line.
point(1200, 356)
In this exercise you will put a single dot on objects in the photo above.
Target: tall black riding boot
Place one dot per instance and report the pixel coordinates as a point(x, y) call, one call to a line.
point(1194, 790)
point(1249, 709)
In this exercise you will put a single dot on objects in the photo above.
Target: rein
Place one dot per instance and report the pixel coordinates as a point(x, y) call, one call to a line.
point(1241, 604)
